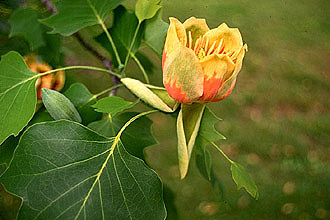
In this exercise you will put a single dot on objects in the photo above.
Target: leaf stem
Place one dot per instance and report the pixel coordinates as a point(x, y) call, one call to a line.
point(132, 43)
point(133, 119)
point(106, 32)
point(79, 67)
point(141, 68)
point(106, 90)
point(223, 154)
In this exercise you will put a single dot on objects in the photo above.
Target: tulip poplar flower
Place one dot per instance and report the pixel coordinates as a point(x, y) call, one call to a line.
point(199, 64)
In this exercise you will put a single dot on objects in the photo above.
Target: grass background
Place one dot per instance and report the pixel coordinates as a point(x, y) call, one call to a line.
point(277, 120)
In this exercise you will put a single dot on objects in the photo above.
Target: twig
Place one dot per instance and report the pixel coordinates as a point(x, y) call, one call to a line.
point(49, 5)
point(106, 62)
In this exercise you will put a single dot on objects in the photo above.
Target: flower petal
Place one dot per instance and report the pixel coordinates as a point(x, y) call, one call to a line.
point(229, 84)
point(215, 68)
point(183, 76)
point(197, 27)
point(176, 36)
point(232, 38)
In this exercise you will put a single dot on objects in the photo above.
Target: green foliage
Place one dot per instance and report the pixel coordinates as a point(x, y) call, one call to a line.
point(6, 152)
point(113, 105)
point(146, 9)
point(155, 33)
point(59, 106)
point(122, 32)
point(75, 15)
point(24, 22)
point(17, 95)
point(135, 138)
point(88, 168)
point(242, 179)
point(83, 100)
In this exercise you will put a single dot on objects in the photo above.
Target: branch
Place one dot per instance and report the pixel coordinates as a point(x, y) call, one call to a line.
point(106, 62)
point(49, 5)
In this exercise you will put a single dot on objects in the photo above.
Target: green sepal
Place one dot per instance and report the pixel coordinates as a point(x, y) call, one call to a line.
point(188, 123)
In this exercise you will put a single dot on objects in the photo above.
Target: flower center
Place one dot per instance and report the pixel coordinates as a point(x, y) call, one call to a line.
point(202, 47)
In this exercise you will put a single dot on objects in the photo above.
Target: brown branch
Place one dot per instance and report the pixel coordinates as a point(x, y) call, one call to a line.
point(106, 62)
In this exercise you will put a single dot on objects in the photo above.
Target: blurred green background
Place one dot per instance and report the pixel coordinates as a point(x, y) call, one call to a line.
point(277, 120)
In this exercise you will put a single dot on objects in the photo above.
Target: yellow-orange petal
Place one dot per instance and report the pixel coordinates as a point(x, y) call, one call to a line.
point(197, 27)
point(229, 84)
point(215, 69)
point(183, 76)
point(232, 38)
point(176, 35)
point(59, 80)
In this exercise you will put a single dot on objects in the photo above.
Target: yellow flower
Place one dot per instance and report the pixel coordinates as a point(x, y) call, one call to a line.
point(199, 64)
point(50, 81)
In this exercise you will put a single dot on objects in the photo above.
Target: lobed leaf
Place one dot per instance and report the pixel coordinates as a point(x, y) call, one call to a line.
point(75, 15)
point(24, 22)
point(207, 133)
point(17, 94)
point(146, 9)
point(242, 179)
point(113, 105)
point(155, 32)
point(63, 170)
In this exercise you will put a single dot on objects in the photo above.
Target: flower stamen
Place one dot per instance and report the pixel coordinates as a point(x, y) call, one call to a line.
point(211, 49)
point(189, 40)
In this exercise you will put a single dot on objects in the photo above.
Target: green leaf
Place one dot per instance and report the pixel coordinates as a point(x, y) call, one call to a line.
point(59, 106)
point(207, 133)
point(51, 52)
point(64, 170)
point(112, 105)
point(24, 22)
point(83, 100)
point(242, 179)
point(188, 123)
point(122, 32)
point(7, 149)
point(204, 164)
point(17, 94)
point(75, 15)
point(155, 32)
point(135, 138)
point(146, 9)
point(157, 97)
